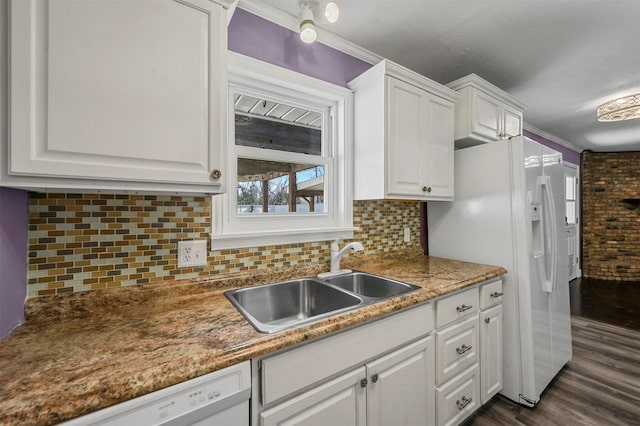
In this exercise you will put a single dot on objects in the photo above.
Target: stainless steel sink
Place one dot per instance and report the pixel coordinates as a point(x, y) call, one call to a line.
point(371, 286)
point(274, 307)
point(288, 304)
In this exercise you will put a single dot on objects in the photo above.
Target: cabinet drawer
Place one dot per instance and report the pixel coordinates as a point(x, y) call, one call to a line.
point(460, 305)
point(490, 294)
point(285, 373)
point(456, 349)
point(458, 398)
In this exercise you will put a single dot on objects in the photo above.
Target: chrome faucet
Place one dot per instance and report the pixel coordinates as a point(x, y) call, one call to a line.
point(337, 254)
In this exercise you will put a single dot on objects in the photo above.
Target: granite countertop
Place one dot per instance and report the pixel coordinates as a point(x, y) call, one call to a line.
point(78, 353)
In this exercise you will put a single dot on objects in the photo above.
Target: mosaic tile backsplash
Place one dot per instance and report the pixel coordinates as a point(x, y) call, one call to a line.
point(82, 242)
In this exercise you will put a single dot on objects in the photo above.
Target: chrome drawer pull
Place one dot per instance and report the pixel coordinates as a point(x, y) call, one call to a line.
point(496, 295)
point(463, 403)
point(463, 308)
point(463, 349)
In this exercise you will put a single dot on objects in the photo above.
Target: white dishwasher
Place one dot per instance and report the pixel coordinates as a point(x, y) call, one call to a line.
point(220, 398)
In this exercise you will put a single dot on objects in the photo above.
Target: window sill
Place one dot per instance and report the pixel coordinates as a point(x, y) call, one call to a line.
point(261, 239)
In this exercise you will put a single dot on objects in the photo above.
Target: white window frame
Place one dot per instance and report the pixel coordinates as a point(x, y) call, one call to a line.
point(231, 230)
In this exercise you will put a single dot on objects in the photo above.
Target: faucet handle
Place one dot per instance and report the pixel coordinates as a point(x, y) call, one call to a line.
point(335, 245)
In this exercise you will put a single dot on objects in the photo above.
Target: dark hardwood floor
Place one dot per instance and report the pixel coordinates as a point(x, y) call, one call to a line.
point(600, 386)
point(613, 302)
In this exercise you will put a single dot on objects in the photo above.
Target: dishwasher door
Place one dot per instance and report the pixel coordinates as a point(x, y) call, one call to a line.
point(218, 398)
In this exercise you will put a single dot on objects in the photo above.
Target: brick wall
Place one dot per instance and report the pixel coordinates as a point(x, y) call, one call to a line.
point(611, 227)
point(81, 242)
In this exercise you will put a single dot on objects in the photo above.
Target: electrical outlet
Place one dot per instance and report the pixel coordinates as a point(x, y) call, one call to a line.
point(192, 253)
point(407, 235)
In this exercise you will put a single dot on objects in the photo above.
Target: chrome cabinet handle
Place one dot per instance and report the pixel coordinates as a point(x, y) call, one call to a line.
point(463, 349)
point(463, 308)
point(374, 378)
point(216, 174)
point(463, 402)
point(496, 295)
point(363, 383)
point(487, 320)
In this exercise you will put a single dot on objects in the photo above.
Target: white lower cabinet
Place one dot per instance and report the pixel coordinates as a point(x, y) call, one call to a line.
point(392, 390)
point(468, 351)
point(377, 374)
point(395, 371)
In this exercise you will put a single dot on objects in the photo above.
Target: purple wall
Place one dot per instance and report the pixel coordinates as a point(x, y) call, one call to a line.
point(14, 219)
point(258, 38)
point(568, 155)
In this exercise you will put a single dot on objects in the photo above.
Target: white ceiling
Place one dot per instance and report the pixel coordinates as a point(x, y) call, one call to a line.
point(562, 58)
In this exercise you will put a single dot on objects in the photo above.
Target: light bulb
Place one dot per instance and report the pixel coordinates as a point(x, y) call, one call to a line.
point(331, 12)
point(308, 33)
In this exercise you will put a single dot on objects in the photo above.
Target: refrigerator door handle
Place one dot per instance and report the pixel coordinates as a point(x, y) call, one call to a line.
point(548, 270)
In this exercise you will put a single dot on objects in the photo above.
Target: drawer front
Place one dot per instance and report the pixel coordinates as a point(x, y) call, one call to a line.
point(456, 349)
point(490, 294)
point(301, 367)
point(460, 305)
point(458, 398)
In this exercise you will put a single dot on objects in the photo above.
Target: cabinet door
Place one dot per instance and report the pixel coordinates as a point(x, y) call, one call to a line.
point(341, 401)
point(438, 170)
point(118, 90)
point(490, 352)
point(401, 387)
point(485, 116)
point(406, 144)
point(511, 122)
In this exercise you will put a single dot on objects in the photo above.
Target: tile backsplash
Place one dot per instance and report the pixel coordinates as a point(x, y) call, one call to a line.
point(82, 242)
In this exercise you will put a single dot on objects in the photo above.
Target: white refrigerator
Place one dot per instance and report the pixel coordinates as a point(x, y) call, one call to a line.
point(509, 211)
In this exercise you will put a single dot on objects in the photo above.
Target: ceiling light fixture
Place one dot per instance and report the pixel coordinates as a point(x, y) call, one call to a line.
point(331, 12)
point(625, 108)
point(308, 32)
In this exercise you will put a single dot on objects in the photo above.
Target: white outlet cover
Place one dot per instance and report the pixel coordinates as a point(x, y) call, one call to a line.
point(407, 235)
point(192, 253)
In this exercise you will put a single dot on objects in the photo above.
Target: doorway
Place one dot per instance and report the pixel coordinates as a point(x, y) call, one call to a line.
point(572, 215)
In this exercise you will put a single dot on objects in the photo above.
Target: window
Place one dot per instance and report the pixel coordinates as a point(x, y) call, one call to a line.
point(287, 154)
point(570, 201)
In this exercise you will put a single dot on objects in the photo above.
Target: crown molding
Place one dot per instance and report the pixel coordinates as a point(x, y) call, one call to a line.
point(286, 20)
point(387, 67)
point(478, 82)
point(551, 137)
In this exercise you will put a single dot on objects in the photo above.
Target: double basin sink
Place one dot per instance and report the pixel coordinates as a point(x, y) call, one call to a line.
point(275, 307)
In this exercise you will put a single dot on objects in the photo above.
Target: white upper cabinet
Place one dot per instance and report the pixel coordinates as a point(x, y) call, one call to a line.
point(403, 145)
point(117, 95)
point(484, 113)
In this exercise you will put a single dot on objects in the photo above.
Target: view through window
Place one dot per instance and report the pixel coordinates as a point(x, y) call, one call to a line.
point(282, 184)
